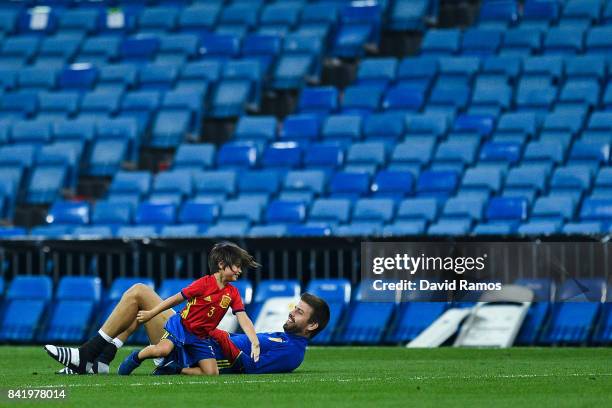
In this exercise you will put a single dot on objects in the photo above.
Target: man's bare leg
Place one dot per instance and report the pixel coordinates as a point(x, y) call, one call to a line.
point(115, 330)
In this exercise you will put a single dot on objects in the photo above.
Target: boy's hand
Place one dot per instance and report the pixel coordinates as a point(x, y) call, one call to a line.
point(255, 352)
point(143, 316)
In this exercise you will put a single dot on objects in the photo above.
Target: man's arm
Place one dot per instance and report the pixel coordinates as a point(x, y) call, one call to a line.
point(144, 316)
point(247, 326)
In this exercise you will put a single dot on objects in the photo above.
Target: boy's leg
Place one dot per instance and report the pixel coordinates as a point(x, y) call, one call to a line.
point(133, 361)
point(205, 367)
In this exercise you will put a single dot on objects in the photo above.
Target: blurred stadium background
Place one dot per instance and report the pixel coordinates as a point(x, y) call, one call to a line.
point(133, 134)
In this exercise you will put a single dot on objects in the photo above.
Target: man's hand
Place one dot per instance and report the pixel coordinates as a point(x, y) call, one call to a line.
point(255, 352)
point(144, 316)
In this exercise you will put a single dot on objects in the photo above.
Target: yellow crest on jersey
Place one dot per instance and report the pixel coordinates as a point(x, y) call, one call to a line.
point(207, 298)
point(225, 301)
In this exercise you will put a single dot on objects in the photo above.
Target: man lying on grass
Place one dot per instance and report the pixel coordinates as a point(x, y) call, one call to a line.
point(279, 352)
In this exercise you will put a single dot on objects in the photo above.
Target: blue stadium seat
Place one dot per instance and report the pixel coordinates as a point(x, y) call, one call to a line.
point(99, 50)
point(434, 125)
point(199, 76)
point(31, 132)
point(413, 216)
point(369, 216)
point(199, 18)
point(319, 100)
point(507, 209)
point(194, 157)
point(482, 179)
point(413, 318)
point(303, 185)
point(136, 231)
point(349, 185)
point(574, 315)
point(157, 77)
point(46, 183)
point(457, 70)
point(141, 106)
point(403, 98)
point(117, 77)
point(112, 214)
point(526, 181)
point(586, 67)
point(285, 212)
point(140, 48)
point(177, 49)
point(377, 71)
point(237, 155)
point(81, 77)
point(455, 154)
point(438, 184)
point(498, 14)
point(393, 184)
point(20, 105)
point(450, 227)
point(337, 294)
point(598, 41)
point(202, 214)
point(533, 96)
point(238, 88)
point(155, 214)
point(258, 129)
point(171, 186)
point(521, 42)
point(571, 181)
point(490, 100)
point(564, 41)
point(342, 129)
point(264, 48)
point(300, 128)
point(298, 62)
point(278, 19)
point(130, 185)
point(448, 99)
point(583, 228)
point(516, 127)
point(364, 99)
point(419, 72)
point(441, 42)
point(237, 19)
point(214, 185)
point(596, 209)
point(540, 14)
point(58, 105)
point(537, 314)
point(578, 94)
point(481, 42)
point(500, 152)
point(69, 213)
point(581, 14)
point(554, 208)
point(18, 51)
point(116, 142)
point(76, 303)
point(544, 152)
point(330, 212)
point(366, 157)
point(259, 185)
point(57, 51)
point(359, 27)
point(603, 183)
point(157, 20)
point(24, 307)
point(367, 321)
point(384, 127)
point(282, 156)
point(100, 105)
point(268, 289)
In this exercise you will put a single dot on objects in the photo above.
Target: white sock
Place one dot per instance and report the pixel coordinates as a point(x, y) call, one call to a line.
point(118, 343)
point(105, 336)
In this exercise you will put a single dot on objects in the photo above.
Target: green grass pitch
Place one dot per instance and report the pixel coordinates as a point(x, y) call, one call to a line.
point(345, 377)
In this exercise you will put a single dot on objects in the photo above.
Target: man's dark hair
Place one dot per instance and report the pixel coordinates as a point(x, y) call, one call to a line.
point(320, 311)
point(228, 254)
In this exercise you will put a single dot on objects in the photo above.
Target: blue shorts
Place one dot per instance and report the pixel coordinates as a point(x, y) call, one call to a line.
point(189, 347)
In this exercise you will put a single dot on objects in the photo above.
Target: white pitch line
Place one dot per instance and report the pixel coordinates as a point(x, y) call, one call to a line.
point(342, 380)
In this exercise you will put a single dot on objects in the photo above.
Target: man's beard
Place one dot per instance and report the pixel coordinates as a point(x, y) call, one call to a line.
point(290, 328)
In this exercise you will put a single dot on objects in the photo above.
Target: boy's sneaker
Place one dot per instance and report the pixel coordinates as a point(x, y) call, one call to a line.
point(130, 363)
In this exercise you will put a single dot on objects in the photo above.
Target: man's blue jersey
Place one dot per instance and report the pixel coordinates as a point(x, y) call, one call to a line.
point(279, 352)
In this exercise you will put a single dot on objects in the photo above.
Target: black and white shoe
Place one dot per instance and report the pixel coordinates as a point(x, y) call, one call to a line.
point(66, 371)
point(68, 357)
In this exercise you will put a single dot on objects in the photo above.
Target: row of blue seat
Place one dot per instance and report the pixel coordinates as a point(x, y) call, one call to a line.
point(353, 24)
point(517, 41)
point(542, 14)
point(32, 313)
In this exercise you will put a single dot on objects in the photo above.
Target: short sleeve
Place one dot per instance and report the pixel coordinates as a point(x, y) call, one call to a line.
point(195, 289)
point(237, 305)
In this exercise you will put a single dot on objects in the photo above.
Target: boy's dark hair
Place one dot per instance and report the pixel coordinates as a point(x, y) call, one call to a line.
point(228, 254)
point(320, 311)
